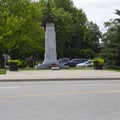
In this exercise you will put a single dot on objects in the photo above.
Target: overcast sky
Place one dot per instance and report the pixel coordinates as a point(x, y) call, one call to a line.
point(98, 11)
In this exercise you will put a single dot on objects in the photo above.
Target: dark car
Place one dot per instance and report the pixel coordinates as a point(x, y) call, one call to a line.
point(64, 61)
point(74, 62)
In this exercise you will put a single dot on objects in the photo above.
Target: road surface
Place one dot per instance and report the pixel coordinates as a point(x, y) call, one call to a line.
point(60, 100)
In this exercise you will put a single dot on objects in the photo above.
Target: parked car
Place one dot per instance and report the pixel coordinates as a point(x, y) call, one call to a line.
point(85, 64)
point(74, 62)
point(64, 61)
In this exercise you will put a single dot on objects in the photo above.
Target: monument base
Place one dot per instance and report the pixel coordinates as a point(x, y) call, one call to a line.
point(50, 65)
point(55, 68)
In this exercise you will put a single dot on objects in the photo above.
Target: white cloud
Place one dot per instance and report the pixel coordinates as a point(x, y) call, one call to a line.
point(98, 11)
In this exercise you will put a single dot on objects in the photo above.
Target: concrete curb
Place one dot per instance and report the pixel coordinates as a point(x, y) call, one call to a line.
point(56, 79)
point(62, 75)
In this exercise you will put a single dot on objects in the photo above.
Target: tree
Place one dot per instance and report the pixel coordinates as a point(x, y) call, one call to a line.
point(3, 16)
point(93, 37)
point(63, 21)
point(21, 33)
point(74, 32)
point(78, 33)
point(48, 16)
point(111, 38)
point(67, 5)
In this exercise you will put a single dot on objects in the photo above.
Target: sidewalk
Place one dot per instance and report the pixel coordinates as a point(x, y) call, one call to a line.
point(42, 75)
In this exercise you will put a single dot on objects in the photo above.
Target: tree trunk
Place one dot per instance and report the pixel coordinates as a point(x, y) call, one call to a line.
point(1, 60)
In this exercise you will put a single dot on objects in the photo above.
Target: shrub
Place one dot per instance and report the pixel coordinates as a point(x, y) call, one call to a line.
point(98, 63)
point(18, 62)
point(99, 60)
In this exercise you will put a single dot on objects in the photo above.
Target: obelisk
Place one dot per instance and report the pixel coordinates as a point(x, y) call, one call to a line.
point(50, 57)
point(50, 45)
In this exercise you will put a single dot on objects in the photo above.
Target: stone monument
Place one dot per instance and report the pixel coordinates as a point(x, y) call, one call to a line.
point(50, 56)
point(50, 44)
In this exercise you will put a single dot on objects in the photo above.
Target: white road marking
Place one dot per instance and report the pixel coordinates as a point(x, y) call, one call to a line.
point(12, 87)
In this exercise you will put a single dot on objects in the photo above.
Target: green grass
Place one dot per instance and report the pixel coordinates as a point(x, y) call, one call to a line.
point(117, 70)
point(82, 68)
point(113, 70)
point(27, 68)
point(2, 71)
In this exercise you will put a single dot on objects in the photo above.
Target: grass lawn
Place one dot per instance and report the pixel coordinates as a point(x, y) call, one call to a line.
point(26, 68)
point(2, 71)
point(113, 70)
point(82, 68)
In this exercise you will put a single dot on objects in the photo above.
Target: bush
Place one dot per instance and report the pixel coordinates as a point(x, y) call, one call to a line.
point(99, 60)
point(18, 62)
point(98, 63)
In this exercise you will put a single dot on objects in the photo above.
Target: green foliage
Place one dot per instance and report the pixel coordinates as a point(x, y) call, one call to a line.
point(111, 49)
point(67, 5)
point(2, 71)
point(22, 33)
point(98, 60)
point(79, 53)
point(94, 35)
point(48, 16)
point(113, 67)
point(18, 62)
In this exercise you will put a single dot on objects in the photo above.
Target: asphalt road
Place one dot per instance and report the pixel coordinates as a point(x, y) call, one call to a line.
point(60, 100)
